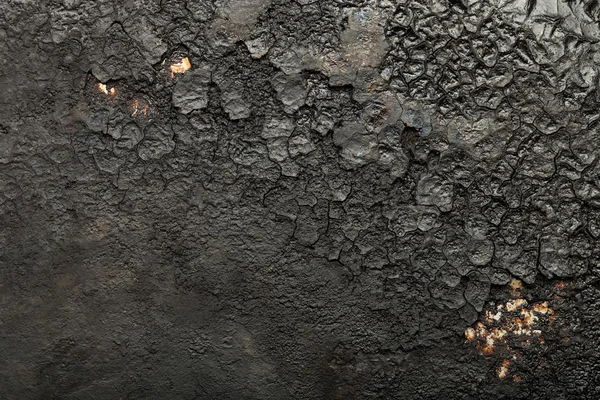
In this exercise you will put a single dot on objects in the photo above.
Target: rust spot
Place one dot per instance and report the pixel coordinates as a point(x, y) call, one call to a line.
point(488, 349)
point(470, 334)
point(490, 316)
point(515, 287)
point(541, 307)
point(513, 305)
point(104, 89)
point(503, 369)
point(513, 319)
point(139, 107)
point(180, 67)
point(560, 285)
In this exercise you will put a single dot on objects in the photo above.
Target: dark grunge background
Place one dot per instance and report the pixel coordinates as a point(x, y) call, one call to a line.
point(310, 199)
